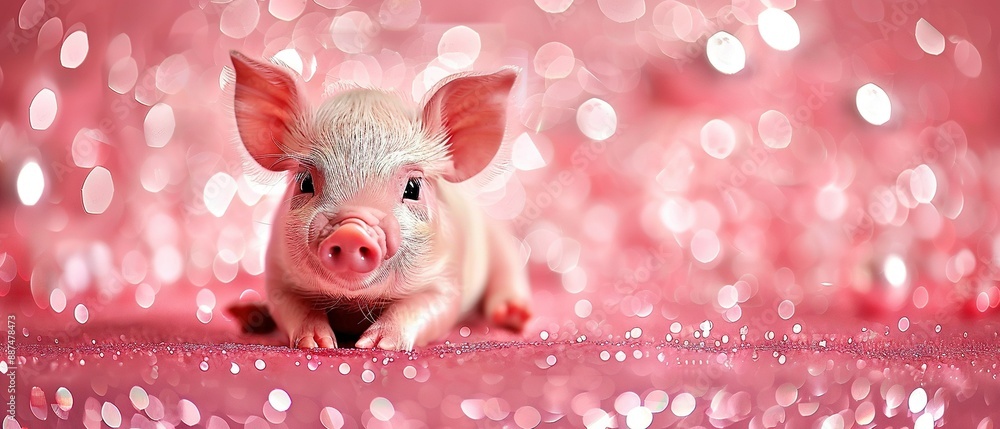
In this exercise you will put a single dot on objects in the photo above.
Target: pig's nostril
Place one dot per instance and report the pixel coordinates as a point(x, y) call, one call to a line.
point(365, 252)
point(335, 251)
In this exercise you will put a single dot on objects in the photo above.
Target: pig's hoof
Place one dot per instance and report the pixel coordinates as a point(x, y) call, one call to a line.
point(385, 337)
point(512, 315)
point(314, 335)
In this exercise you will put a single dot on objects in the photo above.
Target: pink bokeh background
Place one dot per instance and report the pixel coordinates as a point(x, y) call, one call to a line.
point(747, 213)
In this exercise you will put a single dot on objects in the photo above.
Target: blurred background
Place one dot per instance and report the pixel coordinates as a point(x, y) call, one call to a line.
point(683, 172)
point(717, 155)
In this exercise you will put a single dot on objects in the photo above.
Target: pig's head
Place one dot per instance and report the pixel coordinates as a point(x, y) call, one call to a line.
point(362, 203)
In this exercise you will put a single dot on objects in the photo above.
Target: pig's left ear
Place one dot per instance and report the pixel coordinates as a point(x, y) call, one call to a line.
point(471, 112)
point(266, 101)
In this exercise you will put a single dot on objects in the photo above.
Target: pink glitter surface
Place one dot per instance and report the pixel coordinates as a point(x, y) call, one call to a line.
point(746, 213)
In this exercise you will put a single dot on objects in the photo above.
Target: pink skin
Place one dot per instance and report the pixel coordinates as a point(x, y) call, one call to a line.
point(357, 237)
point(358, 241)
point(352, 247)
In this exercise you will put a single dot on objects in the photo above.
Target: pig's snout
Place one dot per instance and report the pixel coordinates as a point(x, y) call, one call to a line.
point(359, 241)
point(353, 246)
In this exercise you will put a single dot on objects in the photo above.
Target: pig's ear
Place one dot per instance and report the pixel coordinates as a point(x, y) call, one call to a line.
point(266, 102)
point(470, 111)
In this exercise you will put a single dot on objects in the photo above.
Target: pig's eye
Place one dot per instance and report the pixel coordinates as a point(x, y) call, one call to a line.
point(306, 183)
point(412, 191)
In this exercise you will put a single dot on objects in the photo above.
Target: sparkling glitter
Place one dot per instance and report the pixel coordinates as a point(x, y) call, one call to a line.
point(967, 59)
point(786, 395)
point(190, 415)
point(286, 10)
point(81, 313)
point(98, 191)
point(596, 119)
point(656, 401)
point(527, 417)
point(626, 402)
point(786, 309)
point(873, 104)
point(159, 125)
point(917, 401)
point(639, 418)
point(554, 6)
point(865, 413)
point(30, 183)
point(718, 138)
point(139, 398)
point(903, 324)
point(331, 418)
point(42, 110)
point(895, 271)
point(775, 129)
point(778, 29)
point(352, 32)
point(459, 47)
point(835, 421)
point(525, 154)
point(167, 264)
point(583, 308)
point(705, 246)
point(382, 409)
point(409, 372)
point(929, 38)
point(74, 49)
point(726, 53)
point(596, 418)
point(110, 414)
point(279, 400)
point(123, 75)
point(219, 192)
point(239, 18)
point(699, 192)
point(923, 184)
point(683, 404)
point(622, 10)
point(64, 399)
point(554, 60)
point(368, 376)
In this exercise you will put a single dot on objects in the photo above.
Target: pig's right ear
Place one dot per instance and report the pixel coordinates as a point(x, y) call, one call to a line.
point(266, 102)
point(470, 111)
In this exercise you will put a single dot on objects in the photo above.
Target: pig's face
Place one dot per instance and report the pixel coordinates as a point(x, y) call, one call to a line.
point(362, 216)
point(362, 207)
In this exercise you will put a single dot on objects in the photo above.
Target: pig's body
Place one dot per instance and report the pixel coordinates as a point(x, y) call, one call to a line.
point(373, 237)
point(468, 248)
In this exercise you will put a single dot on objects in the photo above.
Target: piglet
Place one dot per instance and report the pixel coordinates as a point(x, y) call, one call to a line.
point(374, 239)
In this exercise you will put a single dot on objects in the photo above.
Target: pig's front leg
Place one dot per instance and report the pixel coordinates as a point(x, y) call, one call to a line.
point(306, 327)
point(414, 320)
point(507, 301)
